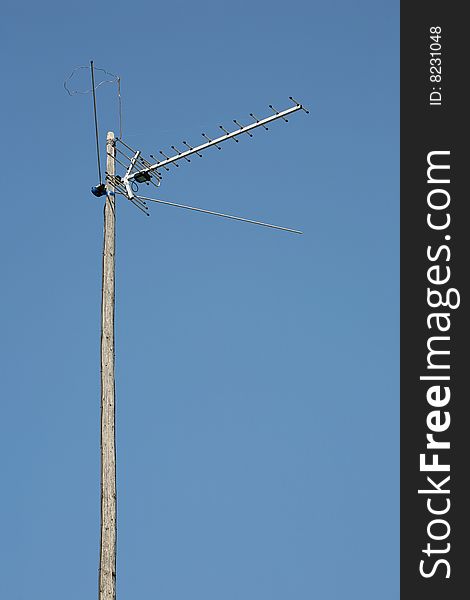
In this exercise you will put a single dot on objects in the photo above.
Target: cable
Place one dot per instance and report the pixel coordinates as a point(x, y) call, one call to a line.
point(96, 120)
point(119, 106)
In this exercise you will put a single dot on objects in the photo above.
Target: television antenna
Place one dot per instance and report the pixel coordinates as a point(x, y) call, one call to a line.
point(135, 170)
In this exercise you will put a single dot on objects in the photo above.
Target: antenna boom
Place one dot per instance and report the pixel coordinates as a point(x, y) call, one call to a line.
point(176, 157)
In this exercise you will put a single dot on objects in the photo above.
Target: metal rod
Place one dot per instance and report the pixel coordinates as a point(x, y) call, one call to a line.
point(147, 164)
point(245, 129)
point(134, 202)
point(138, 206)
point(176, 150)
point(298, 103)
point(210, 141)
point(118, 188)
point(228, 133)
point(114, 180)
point(168, 160)
point(96, 119)
point(140, 202)
point(217, 214)
point(277, 112)
point(123, 153)
point(122, 164)
point(124, 144)
point(191, 148)
point(257, 120)
point(240, 125)
point(145, 161)
point(132, 163)
point(158, 164)
point(119, 105)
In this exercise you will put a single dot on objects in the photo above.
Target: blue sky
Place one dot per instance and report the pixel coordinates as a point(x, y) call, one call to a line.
point(257, 371)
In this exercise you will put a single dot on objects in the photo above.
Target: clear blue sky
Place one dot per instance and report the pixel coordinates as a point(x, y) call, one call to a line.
point(257, 371)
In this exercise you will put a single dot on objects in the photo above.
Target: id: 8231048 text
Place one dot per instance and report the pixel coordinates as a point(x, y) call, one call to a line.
point(435, 66)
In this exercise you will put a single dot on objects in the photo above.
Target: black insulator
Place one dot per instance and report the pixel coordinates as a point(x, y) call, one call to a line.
point(99, 190)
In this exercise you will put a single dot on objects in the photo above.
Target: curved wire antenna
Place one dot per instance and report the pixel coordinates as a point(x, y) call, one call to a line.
point(72, 91)
point(217, 214)
point(111, 78)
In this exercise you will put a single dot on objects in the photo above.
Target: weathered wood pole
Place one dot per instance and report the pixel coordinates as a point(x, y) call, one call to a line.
point(107, 572)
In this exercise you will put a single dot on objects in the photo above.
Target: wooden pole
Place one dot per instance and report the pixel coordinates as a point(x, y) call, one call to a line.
point(107, 572)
